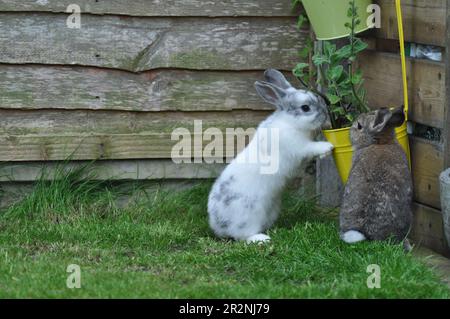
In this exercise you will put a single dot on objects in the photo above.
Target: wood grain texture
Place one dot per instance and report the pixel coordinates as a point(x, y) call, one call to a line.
point(149, 8)
point(426, 81)
point(39, 87)
point(428, 229)
point(86, 135)
point(424, 21)
point(427, 163)
point(141, 44)
point(112, 170)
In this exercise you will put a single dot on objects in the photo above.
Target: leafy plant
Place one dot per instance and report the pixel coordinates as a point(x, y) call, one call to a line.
point(302, 19)
point(335, 73)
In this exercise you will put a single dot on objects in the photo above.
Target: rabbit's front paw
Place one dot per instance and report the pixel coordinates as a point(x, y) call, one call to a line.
point(325, 149)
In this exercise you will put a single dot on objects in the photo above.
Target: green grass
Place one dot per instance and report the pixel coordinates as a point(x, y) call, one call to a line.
point(160, 246)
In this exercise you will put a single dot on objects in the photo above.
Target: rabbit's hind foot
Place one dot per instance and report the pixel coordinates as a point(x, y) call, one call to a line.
point(352, 237)
point(258, 239)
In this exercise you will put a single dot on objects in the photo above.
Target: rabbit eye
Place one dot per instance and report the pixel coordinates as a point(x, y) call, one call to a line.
point(359, 126)
point(305, 108)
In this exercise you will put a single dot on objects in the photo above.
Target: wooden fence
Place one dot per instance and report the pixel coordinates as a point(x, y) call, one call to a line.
point(114, 89)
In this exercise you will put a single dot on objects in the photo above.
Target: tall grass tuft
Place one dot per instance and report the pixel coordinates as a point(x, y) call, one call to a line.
point(66, 189)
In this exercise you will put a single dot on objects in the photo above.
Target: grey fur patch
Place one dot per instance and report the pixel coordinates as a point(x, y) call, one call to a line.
point(225, 184)
point(217, 197)
point(214, 212)
point(226, 195)
point(230, 198)
point(224, 224)
point(295, 111)
point(242, 225)
point(250, 204)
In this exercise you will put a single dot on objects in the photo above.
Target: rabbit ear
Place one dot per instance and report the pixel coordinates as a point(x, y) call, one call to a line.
point(277, 78)
point(270, 93)
point(382, 118)
point(398, 117)
point(385, 118)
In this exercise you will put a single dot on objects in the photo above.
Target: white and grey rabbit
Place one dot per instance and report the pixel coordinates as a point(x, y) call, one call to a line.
point(378, 195)
point(245, 201)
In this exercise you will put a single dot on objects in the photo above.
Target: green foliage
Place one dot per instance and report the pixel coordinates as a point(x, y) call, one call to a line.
point(337, 75)
point(302, 19)
point(160, 246)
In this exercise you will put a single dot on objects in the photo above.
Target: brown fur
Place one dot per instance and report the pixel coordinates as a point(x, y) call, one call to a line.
point(378, 196)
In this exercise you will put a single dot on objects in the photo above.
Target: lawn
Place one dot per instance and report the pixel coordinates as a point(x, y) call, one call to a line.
point(160, 246)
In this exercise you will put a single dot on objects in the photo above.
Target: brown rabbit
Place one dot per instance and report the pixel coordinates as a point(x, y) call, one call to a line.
point(378, 196)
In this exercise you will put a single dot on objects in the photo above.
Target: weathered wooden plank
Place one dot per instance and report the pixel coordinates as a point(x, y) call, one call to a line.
point(97, 147)
point(428, 229)
point(140, 44)
point(37, 87)
point(112, 170)
point(60, 122)
point(382, 72)
point(427, 164)
point(424, 21)
point(58, 135)
point(155, 8)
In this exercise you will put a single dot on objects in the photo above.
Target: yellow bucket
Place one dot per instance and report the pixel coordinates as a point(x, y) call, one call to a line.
point(343, 150)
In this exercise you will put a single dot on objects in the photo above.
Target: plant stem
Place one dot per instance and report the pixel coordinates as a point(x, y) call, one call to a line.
point(320, 82)
point(306, 86)
point(362, 105)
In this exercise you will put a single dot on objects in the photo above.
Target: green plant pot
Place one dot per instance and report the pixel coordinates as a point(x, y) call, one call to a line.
point(328, 17)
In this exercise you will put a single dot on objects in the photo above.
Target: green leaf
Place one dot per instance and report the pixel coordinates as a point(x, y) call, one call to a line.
point(350, 12)
point(357, 77)
point(339, 111)
point(320, 60)
point(305, 52)
point(344, 52)
point(302, 66)
point(295, 2)
point(302, 20)
point(336, 72)
point(350, 117)
point(329, 48)
point(334, 99)
point(359, 46)
point(299, 69)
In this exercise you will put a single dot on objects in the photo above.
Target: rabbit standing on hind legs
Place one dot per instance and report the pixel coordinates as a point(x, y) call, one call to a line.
point(377, 203)
point(245, 200)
